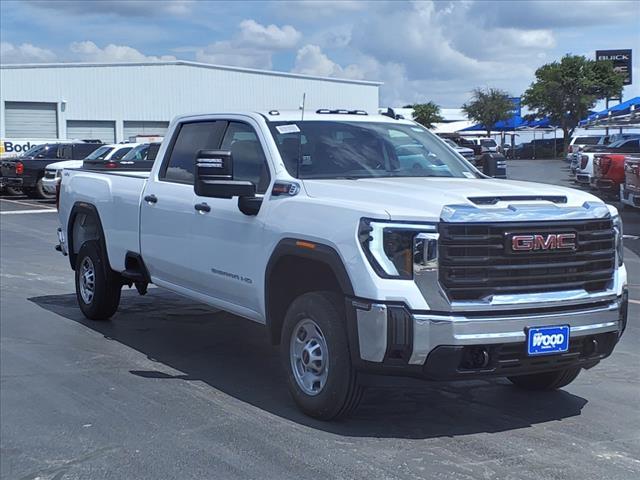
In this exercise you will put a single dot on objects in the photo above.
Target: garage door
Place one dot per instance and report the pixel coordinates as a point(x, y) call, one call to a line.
point(131, 128)
point(91, 130)
point(31, 120)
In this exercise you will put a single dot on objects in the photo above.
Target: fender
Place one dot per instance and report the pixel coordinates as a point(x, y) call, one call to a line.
point(89, 209)
point(291, 247)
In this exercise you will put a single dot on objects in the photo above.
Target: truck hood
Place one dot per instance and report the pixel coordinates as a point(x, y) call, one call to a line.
point(424, 198)
point(65, 164)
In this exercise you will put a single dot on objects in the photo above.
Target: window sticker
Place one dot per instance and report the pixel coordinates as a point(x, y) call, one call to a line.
point(292, 128)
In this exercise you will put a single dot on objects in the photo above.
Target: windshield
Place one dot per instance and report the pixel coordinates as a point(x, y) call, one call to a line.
point(35, 150)
point(329, 149)
point(138, 153)
point(99, 154)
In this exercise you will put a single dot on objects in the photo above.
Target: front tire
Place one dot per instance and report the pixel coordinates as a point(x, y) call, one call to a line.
point(97, 286)
point(315, 355)
point(546, 381)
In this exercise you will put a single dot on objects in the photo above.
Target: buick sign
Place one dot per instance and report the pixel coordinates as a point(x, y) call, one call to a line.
point(621, 62)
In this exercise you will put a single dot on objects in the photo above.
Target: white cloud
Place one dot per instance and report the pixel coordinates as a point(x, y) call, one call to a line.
point(90, 52)
point(271, 37)
point(252, 46)
point(25, 53)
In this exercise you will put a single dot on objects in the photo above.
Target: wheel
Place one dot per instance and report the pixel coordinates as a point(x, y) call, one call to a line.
point(39, 192)
point(315, 355)
point(97, 286)
point(546, 381)
point(13, 191)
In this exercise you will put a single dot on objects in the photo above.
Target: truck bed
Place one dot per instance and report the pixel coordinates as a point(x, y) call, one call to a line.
point(116, 196)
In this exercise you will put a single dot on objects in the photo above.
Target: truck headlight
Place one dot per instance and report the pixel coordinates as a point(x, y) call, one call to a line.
point(617, 227)
point(394, 249)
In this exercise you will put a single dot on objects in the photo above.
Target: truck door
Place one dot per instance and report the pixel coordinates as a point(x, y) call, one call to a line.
point(167, 209)
point(227, 243)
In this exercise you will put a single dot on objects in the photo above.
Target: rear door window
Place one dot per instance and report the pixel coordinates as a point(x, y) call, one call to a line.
point(190, 138)
point(121, 152)
point(587, 140)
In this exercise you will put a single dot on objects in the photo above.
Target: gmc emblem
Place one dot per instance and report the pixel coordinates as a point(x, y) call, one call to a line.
point(552, 241)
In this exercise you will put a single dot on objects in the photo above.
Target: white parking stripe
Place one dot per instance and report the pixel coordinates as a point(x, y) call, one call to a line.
point(18, 202)
point(20, 212)
point(634, 301)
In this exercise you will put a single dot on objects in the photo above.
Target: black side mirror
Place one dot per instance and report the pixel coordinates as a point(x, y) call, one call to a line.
point(214, 176)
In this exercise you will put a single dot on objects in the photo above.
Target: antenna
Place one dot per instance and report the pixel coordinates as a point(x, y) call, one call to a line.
point(304, 99)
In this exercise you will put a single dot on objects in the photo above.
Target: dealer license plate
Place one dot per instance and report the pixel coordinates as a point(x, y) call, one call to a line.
point(546, 340)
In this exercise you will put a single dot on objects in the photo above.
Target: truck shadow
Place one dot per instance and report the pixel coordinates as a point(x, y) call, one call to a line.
point(234, 356)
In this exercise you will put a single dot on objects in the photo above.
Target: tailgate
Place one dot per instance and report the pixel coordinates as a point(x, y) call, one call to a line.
point(632, 174)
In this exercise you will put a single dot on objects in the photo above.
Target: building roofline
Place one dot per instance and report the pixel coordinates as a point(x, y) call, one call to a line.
point(188, 64)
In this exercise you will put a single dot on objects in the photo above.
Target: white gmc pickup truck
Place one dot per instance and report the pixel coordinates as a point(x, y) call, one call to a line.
point(363, 243)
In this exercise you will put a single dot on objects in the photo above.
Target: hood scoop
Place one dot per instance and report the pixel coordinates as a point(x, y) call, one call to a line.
point(493, 200)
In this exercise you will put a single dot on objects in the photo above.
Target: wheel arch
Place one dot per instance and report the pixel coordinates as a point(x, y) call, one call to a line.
point(84, 224)
point(295, 267)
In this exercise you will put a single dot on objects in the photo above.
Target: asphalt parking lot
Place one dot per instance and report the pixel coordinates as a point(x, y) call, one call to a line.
point(175, 390)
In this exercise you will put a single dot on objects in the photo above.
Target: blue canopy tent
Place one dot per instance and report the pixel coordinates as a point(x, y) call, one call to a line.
point(625, 114)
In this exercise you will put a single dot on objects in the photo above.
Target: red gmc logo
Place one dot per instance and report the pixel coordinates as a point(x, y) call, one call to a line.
point(552, 241)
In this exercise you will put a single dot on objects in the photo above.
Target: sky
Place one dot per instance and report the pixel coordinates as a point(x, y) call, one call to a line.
point(424, 50)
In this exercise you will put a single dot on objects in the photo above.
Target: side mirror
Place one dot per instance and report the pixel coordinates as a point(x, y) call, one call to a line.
point(214, 176)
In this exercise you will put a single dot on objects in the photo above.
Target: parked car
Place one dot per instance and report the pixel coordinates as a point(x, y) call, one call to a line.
point(355, 263)
point(468, 143)
point(101, 156)
point(608, 173)
point(487, 145)
point(467, 153)
point(630, 190)
point(27, 171)
point(536, 149)
point(584, 173)
point(138, 157)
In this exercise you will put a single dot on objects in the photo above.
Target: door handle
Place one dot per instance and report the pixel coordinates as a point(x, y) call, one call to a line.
point(202, 207)
point(151, 198)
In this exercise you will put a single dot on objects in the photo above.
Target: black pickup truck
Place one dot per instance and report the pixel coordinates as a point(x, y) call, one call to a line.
point(26, 172)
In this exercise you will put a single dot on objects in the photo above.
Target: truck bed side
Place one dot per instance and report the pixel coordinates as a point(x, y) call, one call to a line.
point(116, 198)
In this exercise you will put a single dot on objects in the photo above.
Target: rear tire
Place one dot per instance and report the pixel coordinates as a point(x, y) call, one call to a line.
point(315, 355)
point(97, 286)
point(546, 381)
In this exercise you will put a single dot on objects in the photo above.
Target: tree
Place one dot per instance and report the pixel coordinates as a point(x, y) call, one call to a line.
point(426, 114)
point(566, 91)
point(489, 107)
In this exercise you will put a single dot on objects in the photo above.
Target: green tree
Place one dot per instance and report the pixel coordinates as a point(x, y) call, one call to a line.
point(426, 114)
point(488, 107)
point(567, 90)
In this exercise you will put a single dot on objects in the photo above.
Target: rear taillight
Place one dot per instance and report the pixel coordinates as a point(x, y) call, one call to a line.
point(19, 168)
point(584, 159)
point(111, 165)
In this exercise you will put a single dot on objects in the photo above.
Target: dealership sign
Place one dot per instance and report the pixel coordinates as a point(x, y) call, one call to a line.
point(621, 62)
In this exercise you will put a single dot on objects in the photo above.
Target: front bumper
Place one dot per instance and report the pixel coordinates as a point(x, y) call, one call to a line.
point(583, 178)
point(50, 184)
point(390, 339)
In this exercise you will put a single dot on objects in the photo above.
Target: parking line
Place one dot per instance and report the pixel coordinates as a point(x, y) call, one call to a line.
point(18, 202)
point(20, 212)
point(634, 301)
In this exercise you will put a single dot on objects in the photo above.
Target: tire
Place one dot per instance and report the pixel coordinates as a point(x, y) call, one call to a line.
point(13, 191)
point(39, 192)
point(97, 286)
point(340, 392)
point(546, 381)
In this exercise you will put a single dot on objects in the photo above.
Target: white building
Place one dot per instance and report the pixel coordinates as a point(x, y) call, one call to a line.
point(112, 102)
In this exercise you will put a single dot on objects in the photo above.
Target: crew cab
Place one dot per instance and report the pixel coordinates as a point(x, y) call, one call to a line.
point(363, 244)
point(27, 171)
point(106, 156)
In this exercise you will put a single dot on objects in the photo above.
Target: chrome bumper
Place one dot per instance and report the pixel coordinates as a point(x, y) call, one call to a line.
point(432, 331)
